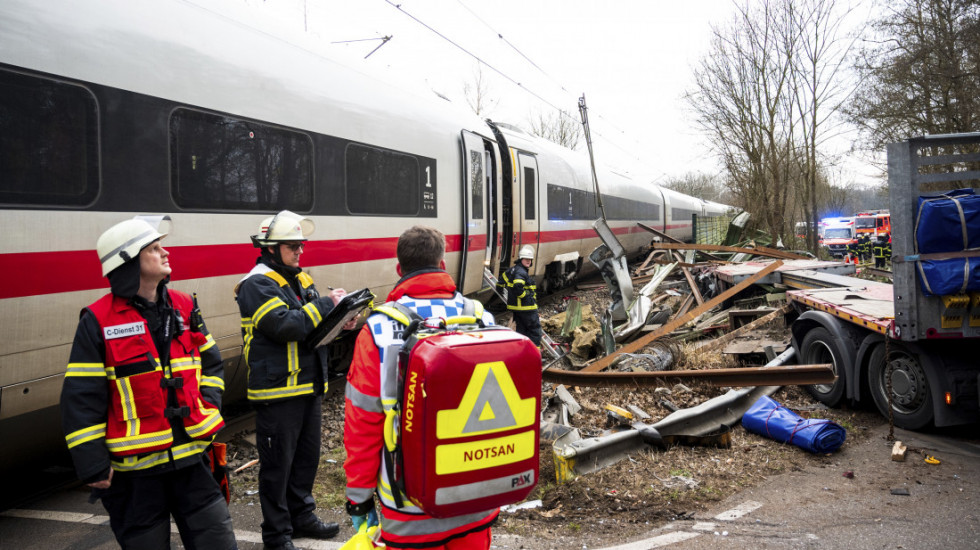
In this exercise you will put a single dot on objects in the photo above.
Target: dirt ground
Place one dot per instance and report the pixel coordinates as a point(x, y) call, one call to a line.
point(620, 501)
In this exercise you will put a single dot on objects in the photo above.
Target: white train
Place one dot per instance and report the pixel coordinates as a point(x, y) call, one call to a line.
point(114, 108)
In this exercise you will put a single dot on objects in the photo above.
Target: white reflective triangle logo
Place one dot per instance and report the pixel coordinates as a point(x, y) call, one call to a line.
point(491, 403)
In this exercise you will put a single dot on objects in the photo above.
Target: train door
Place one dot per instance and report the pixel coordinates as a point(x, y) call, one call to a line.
point(528, 199)
point(493, 202)
point(473, 244)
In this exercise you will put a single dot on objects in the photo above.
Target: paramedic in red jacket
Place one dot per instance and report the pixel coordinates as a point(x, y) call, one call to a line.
point(427, 289)
point(141, 399)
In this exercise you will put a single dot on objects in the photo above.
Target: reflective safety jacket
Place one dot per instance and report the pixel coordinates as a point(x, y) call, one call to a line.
point(520, 288)
point(275, 322)
point(432, 294)
point(122, 404)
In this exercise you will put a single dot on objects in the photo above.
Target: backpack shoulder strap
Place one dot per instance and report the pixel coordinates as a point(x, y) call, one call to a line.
point(398, 312)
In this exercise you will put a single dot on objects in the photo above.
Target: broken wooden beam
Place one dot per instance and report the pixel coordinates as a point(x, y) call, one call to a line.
point(723, 340)
point(660, 234)
point(681, 320)
point(694, 285)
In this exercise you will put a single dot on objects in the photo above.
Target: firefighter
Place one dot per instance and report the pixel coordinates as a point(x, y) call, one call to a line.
point(141, 399)
point(520, 295)
point(287, 379)
point(864, 247)
point(879, 252)
point(427, 289)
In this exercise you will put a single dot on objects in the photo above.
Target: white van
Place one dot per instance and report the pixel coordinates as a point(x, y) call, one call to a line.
point(838, 235)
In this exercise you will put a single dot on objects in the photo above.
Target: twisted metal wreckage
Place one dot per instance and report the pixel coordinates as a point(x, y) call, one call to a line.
point(707, 424)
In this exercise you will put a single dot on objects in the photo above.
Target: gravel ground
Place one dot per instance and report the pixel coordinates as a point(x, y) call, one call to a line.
point(617, 503)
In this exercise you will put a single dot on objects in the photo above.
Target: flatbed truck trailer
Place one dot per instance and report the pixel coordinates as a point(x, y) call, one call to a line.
point(915, 355)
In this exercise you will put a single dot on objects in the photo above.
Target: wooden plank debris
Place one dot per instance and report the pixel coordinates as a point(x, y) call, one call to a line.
point(681, 320)
point(762, 251)
point(721, 341)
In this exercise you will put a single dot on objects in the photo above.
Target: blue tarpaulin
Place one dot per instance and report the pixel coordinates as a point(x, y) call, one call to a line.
point(771, 419)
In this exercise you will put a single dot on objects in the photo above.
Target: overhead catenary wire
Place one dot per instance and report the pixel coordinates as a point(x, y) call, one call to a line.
point(473, 55)
point(478, 59)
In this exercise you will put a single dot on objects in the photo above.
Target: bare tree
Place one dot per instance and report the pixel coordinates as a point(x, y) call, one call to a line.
point(819, 58)
point(478, 95)
point(698, 184)
point(742, 103)
point(558, 127)
point(919, 71)
point(767, 94)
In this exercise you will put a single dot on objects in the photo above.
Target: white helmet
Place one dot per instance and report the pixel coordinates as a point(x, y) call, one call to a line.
point(285, 226)
point(526, 253)
point(124, 241)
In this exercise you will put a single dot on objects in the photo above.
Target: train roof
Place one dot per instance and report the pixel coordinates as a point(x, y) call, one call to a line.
point(188, 54)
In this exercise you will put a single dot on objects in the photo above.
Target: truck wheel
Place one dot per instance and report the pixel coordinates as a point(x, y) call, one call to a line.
point(911, 397)
point(820, 347)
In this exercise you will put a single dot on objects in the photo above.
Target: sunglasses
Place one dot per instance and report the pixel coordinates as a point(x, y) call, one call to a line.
point(295, 247)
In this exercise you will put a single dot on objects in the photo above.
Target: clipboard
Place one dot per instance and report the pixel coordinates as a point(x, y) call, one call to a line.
point(345, 310)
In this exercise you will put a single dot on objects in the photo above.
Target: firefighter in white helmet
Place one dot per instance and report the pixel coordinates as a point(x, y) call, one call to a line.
point(520, 295)
point(141, 400)
point(287, 379)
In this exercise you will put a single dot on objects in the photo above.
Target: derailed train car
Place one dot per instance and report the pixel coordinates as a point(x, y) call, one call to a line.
point(114, 108)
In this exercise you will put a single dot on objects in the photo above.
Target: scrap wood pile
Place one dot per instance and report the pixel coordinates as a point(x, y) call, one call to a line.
point(680, 316)
point(677, 299)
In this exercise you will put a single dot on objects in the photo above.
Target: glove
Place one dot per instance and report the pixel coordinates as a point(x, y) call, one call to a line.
point(362, 514)
point(371, 519)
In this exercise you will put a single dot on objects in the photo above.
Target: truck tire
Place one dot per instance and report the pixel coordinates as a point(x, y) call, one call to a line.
point(820, 347)
point(912, 406)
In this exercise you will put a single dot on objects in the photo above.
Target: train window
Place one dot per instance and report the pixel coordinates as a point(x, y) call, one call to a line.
point(476, 183)
point(528, 193)
point(219, 162)
point(383, 182)
point(49, 144)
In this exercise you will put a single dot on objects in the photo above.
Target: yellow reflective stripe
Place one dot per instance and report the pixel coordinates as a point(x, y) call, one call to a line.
point(213, 382)
point(384, 489)
point(85, 369)
point(478, 309)
point(207, 345)
point(78, 437)
point(247, 327)
point(209, 424)
point(276, 277)
point(126, 399)
point(394, 314)
point(278, 393)
point(272, 304)
point(523, 308)
point(185, 363)
point(518, 281)
point(313, 312)
point(130, 463)
point(292, 362)
point(136, 442)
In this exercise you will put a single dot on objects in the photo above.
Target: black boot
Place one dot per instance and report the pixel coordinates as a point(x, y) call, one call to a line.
point(315, 529)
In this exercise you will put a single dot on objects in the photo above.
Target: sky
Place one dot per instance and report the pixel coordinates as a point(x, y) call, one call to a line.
point(632, 59)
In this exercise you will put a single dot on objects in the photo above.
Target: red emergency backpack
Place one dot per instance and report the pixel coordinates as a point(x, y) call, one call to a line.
point(467, 414)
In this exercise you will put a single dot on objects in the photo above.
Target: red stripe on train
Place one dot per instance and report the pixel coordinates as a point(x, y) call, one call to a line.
point(35, 273)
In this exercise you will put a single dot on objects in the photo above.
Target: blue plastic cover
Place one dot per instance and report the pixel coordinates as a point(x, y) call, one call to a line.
point(948, 223)
point(940, 226)
point(947, 277)
point(771, 419)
